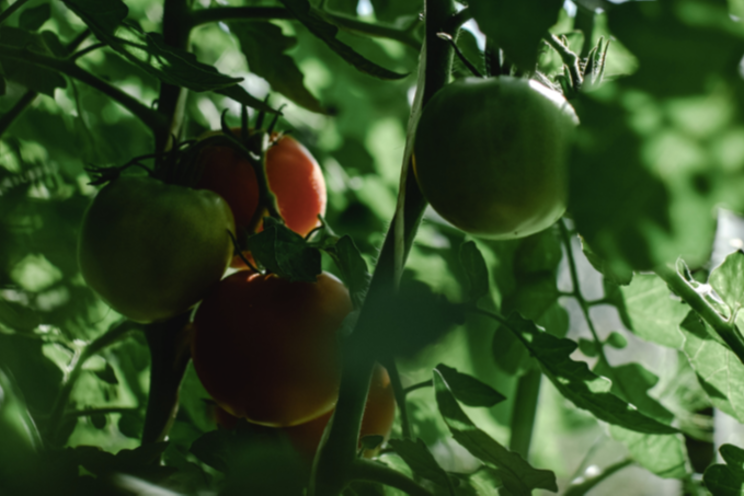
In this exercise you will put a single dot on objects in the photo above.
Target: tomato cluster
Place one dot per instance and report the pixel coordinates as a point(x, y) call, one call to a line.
point(265, 348)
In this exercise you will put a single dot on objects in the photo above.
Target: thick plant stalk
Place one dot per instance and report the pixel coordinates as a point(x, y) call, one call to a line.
point(333, 463)
point(172, 99)
point(170, 355)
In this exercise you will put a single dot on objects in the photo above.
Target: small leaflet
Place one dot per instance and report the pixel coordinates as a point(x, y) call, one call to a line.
point(517, 475)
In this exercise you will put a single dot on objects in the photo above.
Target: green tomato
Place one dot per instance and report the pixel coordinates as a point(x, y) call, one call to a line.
point(152, 250)
point(490, 155)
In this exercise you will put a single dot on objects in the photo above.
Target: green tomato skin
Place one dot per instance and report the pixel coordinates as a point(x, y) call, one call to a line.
point(152, 250)
point(490, 155)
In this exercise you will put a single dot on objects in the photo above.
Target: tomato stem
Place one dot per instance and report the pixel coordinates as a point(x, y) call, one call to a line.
point(336, 455)
point(169, 354)
point(727, 330)
point(524, 412)
point(400, 395)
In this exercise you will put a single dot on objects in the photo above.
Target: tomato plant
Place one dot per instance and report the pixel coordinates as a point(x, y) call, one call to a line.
point(294, 176)
point(266, 349)
point(491, 155)
point(152, 250)
point(595, 353)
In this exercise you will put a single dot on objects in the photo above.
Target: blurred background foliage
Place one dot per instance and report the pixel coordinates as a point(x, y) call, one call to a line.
point(48, 315)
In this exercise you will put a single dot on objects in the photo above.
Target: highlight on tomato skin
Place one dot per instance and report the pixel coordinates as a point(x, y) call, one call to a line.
point(378, 419)
point(265, 348)
point(293, 174)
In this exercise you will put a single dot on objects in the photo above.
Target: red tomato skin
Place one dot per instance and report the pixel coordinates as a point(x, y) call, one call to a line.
point(293, 174)
point(265, 348)
point(379, 415)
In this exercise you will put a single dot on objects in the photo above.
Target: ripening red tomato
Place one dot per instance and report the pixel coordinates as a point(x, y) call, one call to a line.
point(379, 415)
point(266, 349)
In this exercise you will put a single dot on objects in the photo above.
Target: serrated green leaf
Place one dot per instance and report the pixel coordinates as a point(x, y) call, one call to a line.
point(719, 371)
point(352, 266)
point(728, 281)
point(102, 16)
point(263, 45)
point(312, 19)
point(618, 274)
point(468, 45)
point(663, 455)
point(518, 476)
point(577, 383)
point(728, 479)
point(631, 382)
point(469, 390)
point(285, 252)
point(651, 312)
point(420, 459)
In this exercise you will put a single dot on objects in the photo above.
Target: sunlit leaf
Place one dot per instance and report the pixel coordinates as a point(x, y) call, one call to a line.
point(518, 476)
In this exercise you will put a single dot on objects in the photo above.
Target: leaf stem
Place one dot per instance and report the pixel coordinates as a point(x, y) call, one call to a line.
point(172, 99)
point(338, 449)
point(569, 58)
point(377, 472)
point(584, 305)
point(583, 486)
point(75, 368)
point(419, 385)
point(400, 396)
point(150, 117)
point(350, 24)
point(725, 329)
point(9, 11)
point(524, 412)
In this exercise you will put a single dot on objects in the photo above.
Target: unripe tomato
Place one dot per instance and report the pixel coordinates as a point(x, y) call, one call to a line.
point(490, 155)
point(152, 250)
point(265, 348)
point(379, 415)
point(293, 174)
